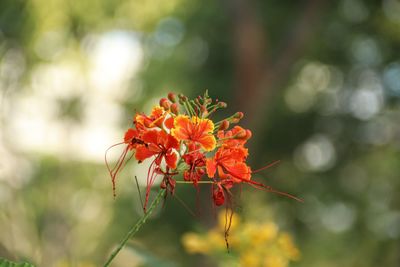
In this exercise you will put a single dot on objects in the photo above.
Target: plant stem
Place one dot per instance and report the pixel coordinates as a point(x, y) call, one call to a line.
point(199, 182)
point(136, 227)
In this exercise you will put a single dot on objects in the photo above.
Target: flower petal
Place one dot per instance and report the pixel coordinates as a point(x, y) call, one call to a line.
point(171, 159)
point(142, 153)
point(208, 142)
point(211, 167)
point(172, 143)
point(169, 123)
point(131, 133)
point(181, 126)
point(239, 172)
point(151, 137)
point(204, 125)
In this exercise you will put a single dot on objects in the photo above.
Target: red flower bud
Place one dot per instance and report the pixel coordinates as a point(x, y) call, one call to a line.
point(241, 134)
point(163, 184)
point(224, 125)
point(175, 108)
point(218, 196)
point(147, 123)
point(248, 134)
point(238, 115)
point(172, 97)
point(164, 103)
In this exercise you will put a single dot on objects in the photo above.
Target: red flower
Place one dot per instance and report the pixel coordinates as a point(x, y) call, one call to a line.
point(158, 143)
point(229, 162)
point(132, 138)
point(196, 161)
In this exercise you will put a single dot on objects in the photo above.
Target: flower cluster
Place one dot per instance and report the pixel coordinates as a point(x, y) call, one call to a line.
point(254, 244)
point(181, 140)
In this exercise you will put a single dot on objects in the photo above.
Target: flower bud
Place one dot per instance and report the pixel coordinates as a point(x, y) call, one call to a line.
point(175, 108)
point(163, 184)
point(203, 109)
point(172, 97)
point(207, 101)
point(242, 134)
point(238, 115)
point(224, 125)
point(183, 97)
point(222, 105)
point(164, 103)
point(248, 134)
point(147, 123)
point(218, 196)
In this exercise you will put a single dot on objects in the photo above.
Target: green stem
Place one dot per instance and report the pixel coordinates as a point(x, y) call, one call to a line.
point(136, 227)
point(199, 182)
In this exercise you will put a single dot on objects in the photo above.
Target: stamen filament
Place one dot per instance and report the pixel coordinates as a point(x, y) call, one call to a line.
point(199, 182)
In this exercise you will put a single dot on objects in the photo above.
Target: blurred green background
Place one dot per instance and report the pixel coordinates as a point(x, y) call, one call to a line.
point(319, 82)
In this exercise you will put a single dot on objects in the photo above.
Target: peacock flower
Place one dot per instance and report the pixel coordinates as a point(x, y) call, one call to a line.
point(195, 130)
point(155, 119)
point(230, 164)
point(180, 139)
point(159, 144)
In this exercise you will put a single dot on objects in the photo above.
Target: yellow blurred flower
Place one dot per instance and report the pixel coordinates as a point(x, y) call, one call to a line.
point(249, 259)
point(253, 244)
point(222, 216)
point(275, 261)
point(193, 243)
point(285, 241)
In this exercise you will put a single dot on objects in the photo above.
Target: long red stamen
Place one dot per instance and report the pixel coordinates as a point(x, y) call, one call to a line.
point(263, 186)
point(266, 167)
point(118, 166)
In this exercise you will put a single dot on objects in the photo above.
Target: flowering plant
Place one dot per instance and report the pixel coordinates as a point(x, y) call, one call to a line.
point(180, 138)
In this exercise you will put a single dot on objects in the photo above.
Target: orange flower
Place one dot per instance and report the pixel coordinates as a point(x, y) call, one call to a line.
point(229, 162)
point(195, 130)
point(155, 119)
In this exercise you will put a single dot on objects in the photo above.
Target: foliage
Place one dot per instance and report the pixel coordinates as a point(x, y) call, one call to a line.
point(6, 263)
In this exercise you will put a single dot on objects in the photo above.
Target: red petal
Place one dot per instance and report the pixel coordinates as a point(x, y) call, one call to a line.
point(131, 133)
point(171, 159)
point(240, 171)
point(151, 137)
point(169, 123)
point(211, 167)
point(218, 196)
point(172, 143)
point(142, 153)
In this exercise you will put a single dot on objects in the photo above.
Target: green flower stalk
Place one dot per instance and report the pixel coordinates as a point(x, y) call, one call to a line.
point(135, 228)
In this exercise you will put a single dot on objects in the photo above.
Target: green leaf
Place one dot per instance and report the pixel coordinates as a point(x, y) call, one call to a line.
point(6, 263)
